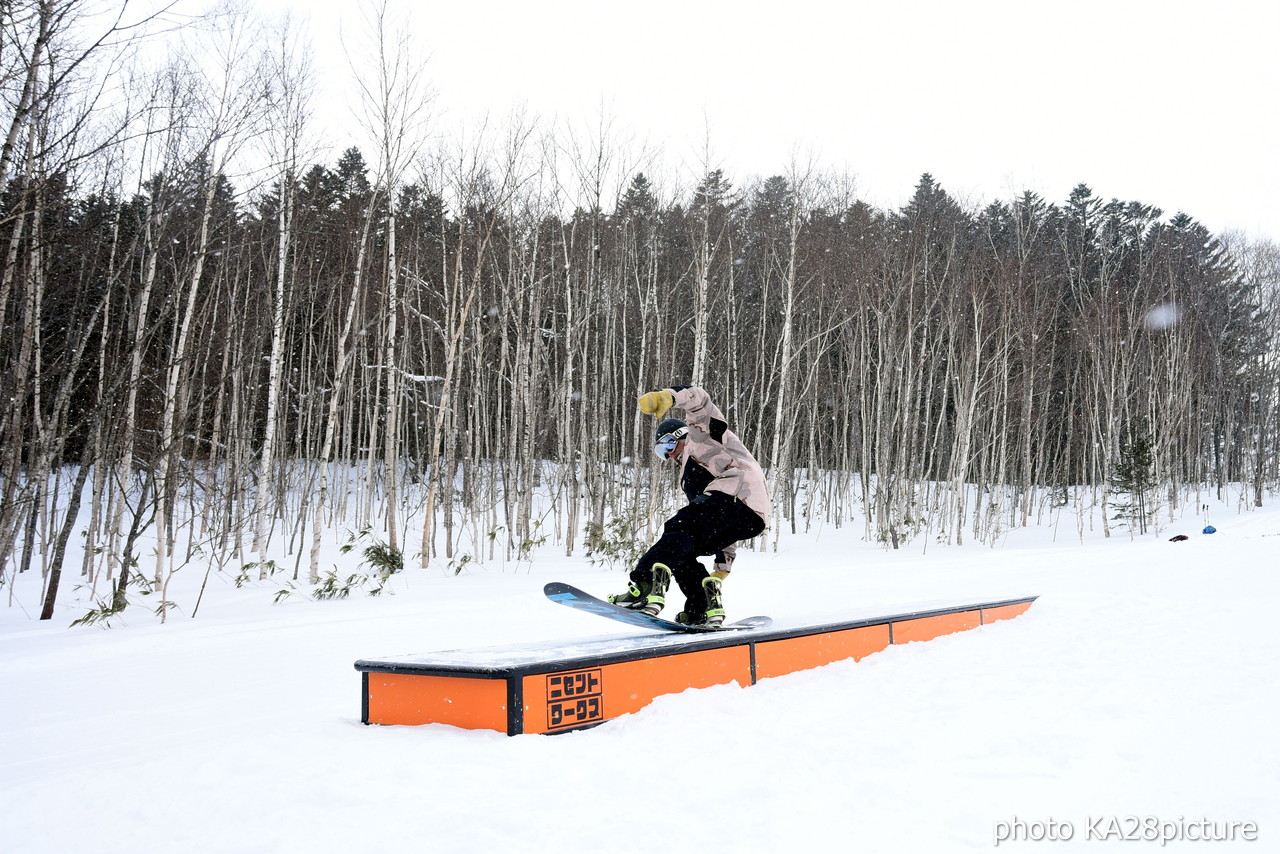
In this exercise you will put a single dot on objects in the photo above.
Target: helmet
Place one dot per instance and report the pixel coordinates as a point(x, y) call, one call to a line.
point(669, 433)
point(671, 427)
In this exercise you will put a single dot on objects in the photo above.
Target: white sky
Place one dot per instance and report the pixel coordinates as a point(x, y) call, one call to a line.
point(1168, 102)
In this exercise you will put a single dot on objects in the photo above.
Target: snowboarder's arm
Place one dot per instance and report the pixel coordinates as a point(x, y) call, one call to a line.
point(699, 410)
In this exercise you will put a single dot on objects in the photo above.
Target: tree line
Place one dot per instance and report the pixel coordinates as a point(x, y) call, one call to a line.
point(230, 348)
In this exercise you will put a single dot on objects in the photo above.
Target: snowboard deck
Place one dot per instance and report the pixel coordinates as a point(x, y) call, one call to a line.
point(579, 600)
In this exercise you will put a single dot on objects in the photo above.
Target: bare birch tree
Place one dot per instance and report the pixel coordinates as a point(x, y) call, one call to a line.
point(229, 104)
point(287, 116)
point(395, 102)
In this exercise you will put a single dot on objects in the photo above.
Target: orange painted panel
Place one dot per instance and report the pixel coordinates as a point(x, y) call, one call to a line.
point(779, 657)
point(555, 702)
point(407, 698)
point(928, 628)
point(1004, 612)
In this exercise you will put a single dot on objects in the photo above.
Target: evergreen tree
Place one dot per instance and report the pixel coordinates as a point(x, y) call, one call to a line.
point(1134, 481)
point(638, 203)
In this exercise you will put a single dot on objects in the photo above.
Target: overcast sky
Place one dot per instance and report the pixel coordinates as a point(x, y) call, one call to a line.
point(1168, 102)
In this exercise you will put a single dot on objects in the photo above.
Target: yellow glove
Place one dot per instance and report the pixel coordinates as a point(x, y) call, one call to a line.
point(656, 403)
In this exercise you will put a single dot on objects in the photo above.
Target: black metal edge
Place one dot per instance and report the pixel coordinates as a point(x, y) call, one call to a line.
point(764, 635)
point(364, 697)
point(515, 705)
point(706, 641)
point(538, 668)
point(471, 671)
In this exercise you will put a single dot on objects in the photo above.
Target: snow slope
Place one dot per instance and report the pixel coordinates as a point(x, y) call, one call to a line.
point(1139, 692)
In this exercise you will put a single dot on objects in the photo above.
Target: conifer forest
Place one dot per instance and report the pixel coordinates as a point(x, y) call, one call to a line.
point(224, 335)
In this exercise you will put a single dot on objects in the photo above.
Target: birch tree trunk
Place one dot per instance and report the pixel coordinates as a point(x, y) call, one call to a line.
point(395, 101)
point(230, 107)
point(779, 455)
point(288, 116)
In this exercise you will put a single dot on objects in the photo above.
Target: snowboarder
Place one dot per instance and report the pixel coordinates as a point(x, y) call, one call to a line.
point(728, 501)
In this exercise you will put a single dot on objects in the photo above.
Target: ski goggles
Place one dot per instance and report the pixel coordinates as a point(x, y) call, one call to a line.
point(667, 442)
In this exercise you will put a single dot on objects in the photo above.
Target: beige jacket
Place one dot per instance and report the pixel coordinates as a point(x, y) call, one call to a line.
point(718, 450)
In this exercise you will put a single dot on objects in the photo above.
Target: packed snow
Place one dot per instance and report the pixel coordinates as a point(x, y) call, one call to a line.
point(1132, 707)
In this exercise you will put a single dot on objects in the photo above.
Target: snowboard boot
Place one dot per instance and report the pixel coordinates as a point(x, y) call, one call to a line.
point(657, 597)
point(691, 618)
point(648, 597)
point(634, 598)
point(715, 603)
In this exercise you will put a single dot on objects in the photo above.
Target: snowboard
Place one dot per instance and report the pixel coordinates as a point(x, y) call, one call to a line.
point(572, 597)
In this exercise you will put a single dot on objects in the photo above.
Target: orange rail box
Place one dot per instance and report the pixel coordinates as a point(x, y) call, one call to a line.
point(559, 687)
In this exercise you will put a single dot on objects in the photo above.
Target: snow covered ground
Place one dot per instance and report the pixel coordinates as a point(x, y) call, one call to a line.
point(1137, 698)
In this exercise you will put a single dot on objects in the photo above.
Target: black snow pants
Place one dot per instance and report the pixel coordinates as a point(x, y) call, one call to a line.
point(711, 522)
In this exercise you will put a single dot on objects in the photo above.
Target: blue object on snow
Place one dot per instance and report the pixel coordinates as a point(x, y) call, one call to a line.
point(1209, 529)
